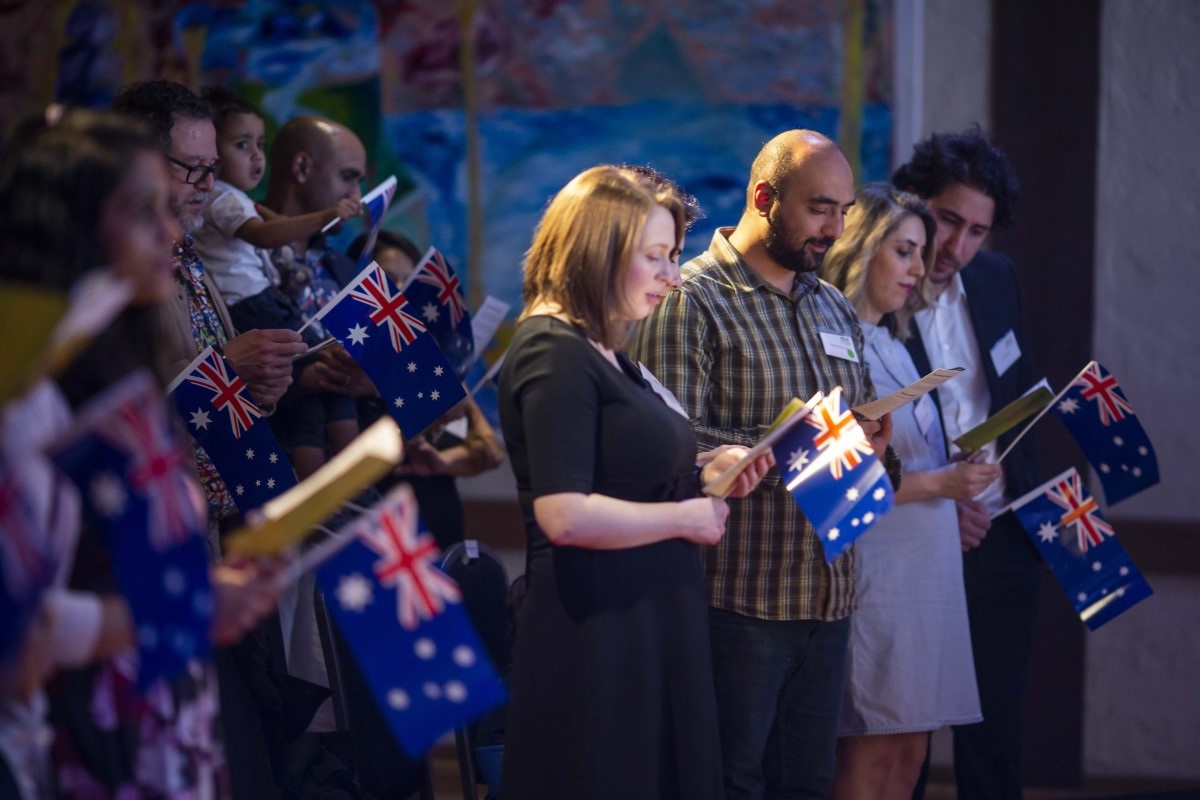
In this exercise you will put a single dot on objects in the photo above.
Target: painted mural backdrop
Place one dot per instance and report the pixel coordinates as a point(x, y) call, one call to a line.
point(484, 108)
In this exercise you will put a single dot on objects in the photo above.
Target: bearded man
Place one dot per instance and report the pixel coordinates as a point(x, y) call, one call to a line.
point(751, 327)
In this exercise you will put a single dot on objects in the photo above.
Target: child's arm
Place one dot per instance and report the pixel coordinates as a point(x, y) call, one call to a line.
point(280, 230)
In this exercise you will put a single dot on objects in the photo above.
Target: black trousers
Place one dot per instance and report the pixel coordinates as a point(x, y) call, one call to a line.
point(1001, 577)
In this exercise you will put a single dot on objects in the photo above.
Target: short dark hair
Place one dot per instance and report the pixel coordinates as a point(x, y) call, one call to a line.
point(386, 240)
point(158, 104)
point(967, 158)
point(225, 103)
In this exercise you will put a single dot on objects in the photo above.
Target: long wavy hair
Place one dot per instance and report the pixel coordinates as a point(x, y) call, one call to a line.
point(877, 211)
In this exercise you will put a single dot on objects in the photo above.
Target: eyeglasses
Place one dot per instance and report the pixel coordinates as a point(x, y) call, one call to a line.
point(197, 174)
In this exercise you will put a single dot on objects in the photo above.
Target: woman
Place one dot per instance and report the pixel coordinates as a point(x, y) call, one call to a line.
point(611, 685)
point(909, 666)
point(90, 191)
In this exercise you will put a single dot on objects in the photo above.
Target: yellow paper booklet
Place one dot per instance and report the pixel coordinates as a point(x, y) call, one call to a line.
point(1007, 418)
point(792, 413)
point(291, 517)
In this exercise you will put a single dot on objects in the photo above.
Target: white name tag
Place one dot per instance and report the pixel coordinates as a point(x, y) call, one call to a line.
point(663, 392)
point(925, 413)
point(1005, 352)
point(839, 345)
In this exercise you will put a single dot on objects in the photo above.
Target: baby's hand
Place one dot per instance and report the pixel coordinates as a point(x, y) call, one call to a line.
point(346, 208)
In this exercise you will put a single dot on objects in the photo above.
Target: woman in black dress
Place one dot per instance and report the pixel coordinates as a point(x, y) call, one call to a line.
point(612, 691)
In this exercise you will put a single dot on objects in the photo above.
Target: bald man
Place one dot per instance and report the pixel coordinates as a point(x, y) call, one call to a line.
point(750, 328)
point(315, 162)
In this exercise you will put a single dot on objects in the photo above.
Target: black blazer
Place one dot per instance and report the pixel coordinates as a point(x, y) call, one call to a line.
point(994, 306)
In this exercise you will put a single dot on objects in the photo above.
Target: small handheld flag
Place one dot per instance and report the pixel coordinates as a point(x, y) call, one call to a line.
point(378, 329)
point(435, 291)
point(409, 632)
point(1080, 546)
point(215, 406)
point(831, 471)
point(376, 203)
point(137, 489)
point(1102, 420)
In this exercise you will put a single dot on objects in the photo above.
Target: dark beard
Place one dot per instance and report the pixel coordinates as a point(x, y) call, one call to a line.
point(795, 259)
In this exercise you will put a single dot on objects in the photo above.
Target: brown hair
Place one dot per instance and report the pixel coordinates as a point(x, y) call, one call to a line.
point(581, 249)
point(877, 211)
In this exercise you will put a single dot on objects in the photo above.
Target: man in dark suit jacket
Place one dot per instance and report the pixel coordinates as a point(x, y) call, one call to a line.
point(976, 321)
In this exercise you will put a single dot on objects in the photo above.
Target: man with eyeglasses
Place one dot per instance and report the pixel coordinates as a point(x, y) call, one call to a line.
point(197, 317)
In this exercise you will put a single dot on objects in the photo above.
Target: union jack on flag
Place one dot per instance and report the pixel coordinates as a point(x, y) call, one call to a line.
point(425, 665)
point(1101, 387)
point(838, 435)
point(156, 470)
point(1109, 433)
point(434, 271)
point(408, 563)
point(1082, 514)
point(387, 306)
point(229, 393)
point(1083, 552)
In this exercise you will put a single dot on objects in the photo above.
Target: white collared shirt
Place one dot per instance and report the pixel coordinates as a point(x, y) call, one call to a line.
point(950, 342)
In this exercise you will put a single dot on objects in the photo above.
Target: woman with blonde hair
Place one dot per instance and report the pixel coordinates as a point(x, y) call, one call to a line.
point(909, 668)
point(612, 691)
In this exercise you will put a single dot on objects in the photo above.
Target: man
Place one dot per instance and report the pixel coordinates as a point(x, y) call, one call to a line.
point(751, 327)
point(196, 317)
point(314, 163)
point(976, 321)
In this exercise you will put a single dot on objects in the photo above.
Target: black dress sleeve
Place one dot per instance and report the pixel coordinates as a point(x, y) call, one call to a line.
point(556, 394)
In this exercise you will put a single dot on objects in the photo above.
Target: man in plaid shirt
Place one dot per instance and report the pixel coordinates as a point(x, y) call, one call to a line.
point(750, 328)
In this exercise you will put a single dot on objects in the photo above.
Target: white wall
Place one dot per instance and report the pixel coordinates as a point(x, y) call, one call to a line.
point(957, 71)
point(1142, 700)
point(1147, 217)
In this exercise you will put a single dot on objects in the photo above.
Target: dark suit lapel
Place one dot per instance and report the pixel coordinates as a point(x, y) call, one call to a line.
point(916, 348)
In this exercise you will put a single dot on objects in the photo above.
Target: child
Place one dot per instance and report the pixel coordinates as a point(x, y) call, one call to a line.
point(234, 241)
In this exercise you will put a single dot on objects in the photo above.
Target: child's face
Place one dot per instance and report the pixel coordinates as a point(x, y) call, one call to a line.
point(242, 145)
point(395, 263)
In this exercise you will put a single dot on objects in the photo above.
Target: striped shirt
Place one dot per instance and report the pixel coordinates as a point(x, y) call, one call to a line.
point(734, 349)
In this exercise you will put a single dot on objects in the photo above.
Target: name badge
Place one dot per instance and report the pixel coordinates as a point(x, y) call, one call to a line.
point(665, 394)
point(839, 345)
point(925, 413)
point(1005, 352)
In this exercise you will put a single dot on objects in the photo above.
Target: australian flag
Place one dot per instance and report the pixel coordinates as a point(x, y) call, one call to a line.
point(376, 203)
point(1096, 412)
point(377, 326)
point(219, 414)
point(404, 621)
point(832, 473)
point(139, 494)
point(1093, 568)
point(434, 290)
point(26, 566)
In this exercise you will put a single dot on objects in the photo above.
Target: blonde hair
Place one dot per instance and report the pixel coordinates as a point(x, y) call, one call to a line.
point(877, 211)
point(581, 249)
